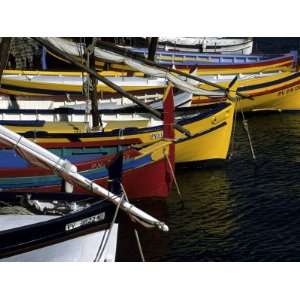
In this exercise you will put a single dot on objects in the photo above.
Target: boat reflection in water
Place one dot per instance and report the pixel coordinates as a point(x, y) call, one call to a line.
point(206, 220)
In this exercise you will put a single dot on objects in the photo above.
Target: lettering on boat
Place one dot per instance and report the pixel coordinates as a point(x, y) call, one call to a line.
point(289, 90)
point(93, 219)
point(157, 135)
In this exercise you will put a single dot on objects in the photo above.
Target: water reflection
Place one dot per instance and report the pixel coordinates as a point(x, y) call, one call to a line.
point(244, 211)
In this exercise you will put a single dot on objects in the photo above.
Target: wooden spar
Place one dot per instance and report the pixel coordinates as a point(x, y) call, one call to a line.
point(152, 48)
point(140, 57)
point(4, 54)
point(73, 61)
point(92, 90)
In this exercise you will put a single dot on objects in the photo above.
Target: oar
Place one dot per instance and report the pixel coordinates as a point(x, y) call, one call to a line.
point(103, 79)
point(130, 54)
point(41, 157)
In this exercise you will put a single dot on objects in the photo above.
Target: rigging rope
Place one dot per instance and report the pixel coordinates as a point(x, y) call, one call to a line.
point(246, 128)
point(107, 233)
point(135, 230)
point(234, 129)
point(139, 245)
point(173, 175)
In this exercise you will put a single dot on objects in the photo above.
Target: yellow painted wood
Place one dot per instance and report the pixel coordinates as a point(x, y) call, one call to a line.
point(275, 96)
point(207, 144)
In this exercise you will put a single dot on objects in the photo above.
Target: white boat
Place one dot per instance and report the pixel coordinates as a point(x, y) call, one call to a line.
point(208, 44)
point(55, 238)
point(78, 235)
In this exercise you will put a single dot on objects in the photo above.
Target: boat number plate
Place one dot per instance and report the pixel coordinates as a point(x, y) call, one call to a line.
point(86, 221)
point(155, 136)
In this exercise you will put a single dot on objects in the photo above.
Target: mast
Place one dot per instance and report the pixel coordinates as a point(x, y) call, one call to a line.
point(92, 87)
point(152, 48)
point(106, 81)
point(4, 54)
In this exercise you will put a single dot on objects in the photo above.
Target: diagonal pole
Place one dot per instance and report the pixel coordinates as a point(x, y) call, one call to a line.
point(103, 79)
point(139, 57)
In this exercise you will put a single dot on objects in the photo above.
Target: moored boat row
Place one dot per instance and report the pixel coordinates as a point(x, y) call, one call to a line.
point(58, 167)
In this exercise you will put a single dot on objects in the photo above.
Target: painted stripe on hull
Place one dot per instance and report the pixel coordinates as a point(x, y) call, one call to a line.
point(148, 175)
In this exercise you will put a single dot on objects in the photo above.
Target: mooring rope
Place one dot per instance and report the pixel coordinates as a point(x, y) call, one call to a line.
point(106, 235)
point(246, 127)
point(135, 230)
point(234, 129)
point(139, 245)
point(173, 175)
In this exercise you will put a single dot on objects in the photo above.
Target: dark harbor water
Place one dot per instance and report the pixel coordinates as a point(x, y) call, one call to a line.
point(241, 211)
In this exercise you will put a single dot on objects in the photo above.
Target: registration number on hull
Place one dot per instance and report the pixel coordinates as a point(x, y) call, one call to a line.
point(93, 219)
point(288, 91)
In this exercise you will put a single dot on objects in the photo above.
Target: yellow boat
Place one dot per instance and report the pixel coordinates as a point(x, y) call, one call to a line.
point(211, 133)
point(281, 92)
point(47, 83)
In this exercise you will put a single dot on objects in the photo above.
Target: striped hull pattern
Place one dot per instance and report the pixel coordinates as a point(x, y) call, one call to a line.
point(284, 63)
point(45, 238)
point(150, 172)
point(211, 135)
point(280, 92)
point(22, 88)
point(207, 64)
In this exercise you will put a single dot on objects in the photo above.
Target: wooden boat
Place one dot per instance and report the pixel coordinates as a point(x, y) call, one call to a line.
point(207, 45)
point(213, 64)
point(84, 232)
point(40, 157)
point(68, 118)
point(56, 227)
point(209, 64)
point(210, 128)
point(279, 92)
point(50, 98)
point(222, 64)
point(24, 94)
point(47, 84)
point(148, 168)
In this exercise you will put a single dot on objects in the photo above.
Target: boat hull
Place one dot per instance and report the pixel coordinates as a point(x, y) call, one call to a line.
point(74, 236)
point(211, 135)
point(206, 64)
point(149, 171)
point(277, 92)
point(208, 45)
point(81, 249)
point(281, 94)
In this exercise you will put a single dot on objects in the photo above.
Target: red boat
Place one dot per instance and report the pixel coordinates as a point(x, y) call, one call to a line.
point(146, 171)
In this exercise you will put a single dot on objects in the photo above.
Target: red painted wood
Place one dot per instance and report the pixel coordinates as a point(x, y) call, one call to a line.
point(146, 182)
point(82, 166)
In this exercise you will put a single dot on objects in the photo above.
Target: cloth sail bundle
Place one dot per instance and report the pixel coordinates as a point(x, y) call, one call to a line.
point(182, 84)
point(41, 157)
